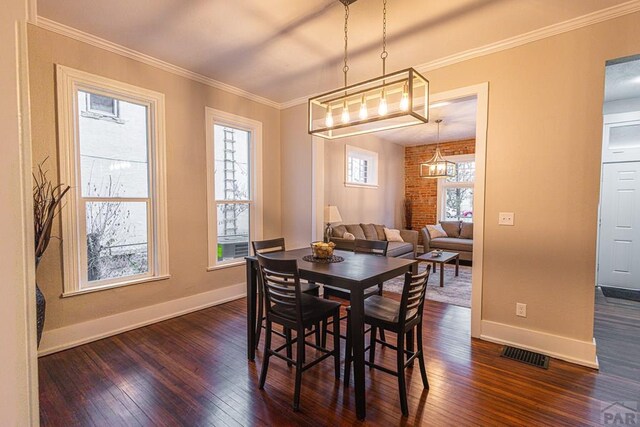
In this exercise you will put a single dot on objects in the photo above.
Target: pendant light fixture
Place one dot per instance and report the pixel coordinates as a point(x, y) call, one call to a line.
point(394, 100)
point(437, 166)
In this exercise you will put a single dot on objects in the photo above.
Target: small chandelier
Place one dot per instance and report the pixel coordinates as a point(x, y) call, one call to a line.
point(394, 100)
point(437, 166)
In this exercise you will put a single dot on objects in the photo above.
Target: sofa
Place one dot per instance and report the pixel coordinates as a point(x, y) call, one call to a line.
point(406, 249)
point(459, 239)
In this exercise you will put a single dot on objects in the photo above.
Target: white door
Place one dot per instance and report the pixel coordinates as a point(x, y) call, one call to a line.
point(619, 251)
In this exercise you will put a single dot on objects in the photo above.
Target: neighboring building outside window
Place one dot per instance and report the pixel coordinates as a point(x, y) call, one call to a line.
point(361, 167)
point(114, 222)
point(233, 164)
point(455, 194)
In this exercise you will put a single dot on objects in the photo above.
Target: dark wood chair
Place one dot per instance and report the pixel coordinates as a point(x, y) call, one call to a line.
point(373, 247)
point(288, 306)
point(263, 247)
point(401, 317)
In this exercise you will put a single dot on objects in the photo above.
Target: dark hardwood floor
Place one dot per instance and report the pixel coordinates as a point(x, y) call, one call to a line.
point(193, 371)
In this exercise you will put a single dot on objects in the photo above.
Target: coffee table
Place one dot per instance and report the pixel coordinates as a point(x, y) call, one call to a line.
point(442, 260)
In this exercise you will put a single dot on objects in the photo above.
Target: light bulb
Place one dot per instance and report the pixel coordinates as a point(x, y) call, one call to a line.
point(382, 107)
point(328, 121)
point(345, 113)
point(363, 109)
point(404, 101)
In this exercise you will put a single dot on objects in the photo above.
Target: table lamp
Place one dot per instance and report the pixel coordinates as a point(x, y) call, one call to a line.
point(331, 215)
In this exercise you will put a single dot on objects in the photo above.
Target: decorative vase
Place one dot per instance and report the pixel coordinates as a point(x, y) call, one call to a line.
point(41, 305)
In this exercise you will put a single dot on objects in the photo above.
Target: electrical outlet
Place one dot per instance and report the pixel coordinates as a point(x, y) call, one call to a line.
point(505, 218)
point(521, 309)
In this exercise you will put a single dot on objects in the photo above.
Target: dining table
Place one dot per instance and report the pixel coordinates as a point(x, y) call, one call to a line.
point(355, 273)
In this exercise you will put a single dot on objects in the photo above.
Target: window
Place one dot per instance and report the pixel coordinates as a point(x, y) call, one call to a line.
point(114, 221)
point(234, 190)
point(361, 167)
point(455, 194)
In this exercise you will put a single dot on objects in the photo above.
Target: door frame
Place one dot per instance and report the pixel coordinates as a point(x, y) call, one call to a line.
point(481, 92)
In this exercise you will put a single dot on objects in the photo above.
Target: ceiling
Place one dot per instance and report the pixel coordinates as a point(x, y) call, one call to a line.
point(286, 49)
point(622, 80)
point(458, 123)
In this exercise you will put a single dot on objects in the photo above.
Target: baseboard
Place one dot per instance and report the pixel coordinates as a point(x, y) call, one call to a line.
point(568, 349)
point(81, 333)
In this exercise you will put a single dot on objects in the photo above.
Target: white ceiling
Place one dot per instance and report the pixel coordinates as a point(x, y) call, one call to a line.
point(622, 81)
point(285, 49)
point(458, 123)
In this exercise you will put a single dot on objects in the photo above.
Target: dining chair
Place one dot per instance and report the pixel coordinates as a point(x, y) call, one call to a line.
point(400, 317)
point(268, 246)
point(288, 306)
point(373, 247)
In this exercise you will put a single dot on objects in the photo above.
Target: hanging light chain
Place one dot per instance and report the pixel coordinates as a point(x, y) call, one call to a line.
point(345, 69)
point(384, 53)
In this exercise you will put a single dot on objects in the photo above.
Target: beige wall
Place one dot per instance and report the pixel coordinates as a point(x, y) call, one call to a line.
point(381, 205)
point(186, 175)
point(543, 163)
point(16, 248)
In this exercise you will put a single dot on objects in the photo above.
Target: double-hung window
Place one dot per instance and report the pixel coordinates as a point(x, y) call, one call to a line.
point(455, 194)
point(114, 219)
point(234, 187)
point(361, 167)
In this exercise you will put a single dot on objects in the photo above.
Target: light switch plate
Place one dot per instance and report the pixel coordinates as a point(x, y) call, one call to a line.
point(505, 218)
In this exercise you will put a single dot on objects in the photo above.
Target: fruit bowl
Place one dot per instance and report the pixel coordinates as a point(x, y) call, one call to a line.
point(322, 250)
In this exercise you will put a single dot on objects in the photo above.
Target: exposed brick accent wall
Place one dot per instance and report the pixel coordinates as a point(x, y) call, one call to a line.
point(423, 191)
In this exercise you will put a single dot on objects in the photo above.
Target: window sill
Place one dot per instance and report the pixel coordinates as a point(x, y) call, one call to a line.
point(115, 285)
point(351, 184)
point(227, 265)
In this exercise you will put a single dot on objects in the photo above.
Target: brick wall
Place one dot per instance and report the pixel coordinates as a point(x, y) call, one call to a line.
point(423, 191)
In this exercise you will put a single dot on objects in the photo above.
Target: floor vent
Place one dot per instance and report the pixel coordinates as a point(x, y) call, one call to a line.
point(526, 356)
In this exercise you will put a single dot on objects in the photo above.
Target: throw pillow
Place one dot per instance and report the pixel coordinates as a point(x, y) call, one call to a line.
point(348, 236)
point(452, 228)
point(338, 230)
point(356, 230)
point(393, 235)
point(466, 232)
point(369, 231)
point(380, 231)
point(436, 231)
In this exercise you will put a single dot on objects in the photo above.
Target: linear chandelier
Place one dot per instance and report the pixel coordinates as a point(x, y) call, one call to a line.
point(437, 166)
point(394, 100)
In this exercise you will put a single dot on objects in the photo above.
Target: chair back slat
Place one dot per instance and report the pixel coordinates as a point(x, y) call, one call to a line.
point(413, 293)
point(280, 282)
point(375, 247)
point(266, 246)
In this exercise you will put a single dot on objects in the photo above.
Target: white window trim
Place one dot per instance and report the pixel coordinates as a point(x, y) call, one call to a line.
point(254, 127)
point(69, 81)
point(352, 149)
point(442, 184)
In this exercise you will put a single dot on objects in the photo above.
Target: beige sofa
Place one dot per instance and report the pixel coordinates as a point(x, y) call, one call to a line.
point(459, 239)
point(406, 249)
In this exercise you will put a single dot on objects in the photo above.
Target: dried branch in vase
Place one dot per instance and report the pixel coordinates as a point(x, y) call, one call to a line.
point(408, 213)
point(47, 200)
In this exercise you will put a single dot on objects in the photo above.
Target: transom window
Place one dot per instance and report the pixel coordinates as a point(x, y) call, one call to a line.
point(361, 167)
point(114, 224)
point(455, 194)
point(233, 162)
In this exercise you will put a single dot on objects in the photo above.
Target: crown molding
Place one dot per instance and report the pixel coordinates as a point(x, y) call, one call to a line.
point(532, 36)
point(93, 40)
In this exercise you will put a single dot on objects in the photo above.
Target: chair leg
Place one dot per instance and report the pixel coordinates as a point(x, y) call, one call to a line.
point(336, 343)
point(410, 344)
point(318, 335)
point(266, 356)
point(423, 369)
point(260, 317)
point(287, 333)
point(402, 387)
point(299, 360)
point(323, 340)
point(382, 337)
point(372, 345)
point(347, 354)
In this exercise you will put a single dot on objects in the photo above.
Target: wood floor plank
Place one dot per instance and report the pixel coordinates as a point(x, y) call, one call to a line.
point(192, 370)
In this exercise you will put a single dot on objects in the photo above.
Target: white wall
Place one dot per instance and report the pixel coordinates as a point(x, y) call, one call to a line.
point(16, 248)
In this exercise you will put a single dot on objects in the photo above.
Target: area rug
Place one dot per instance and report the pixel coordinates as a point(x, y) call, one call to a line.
point(456, 290)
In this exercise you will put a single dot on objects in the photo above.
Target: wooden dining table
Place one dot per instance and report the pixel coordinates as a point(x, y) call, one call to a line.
point(356, 273)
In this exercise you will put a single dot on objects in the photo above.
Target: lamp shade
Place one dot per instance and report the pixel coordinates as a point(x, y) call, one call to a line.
point(332, 214)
